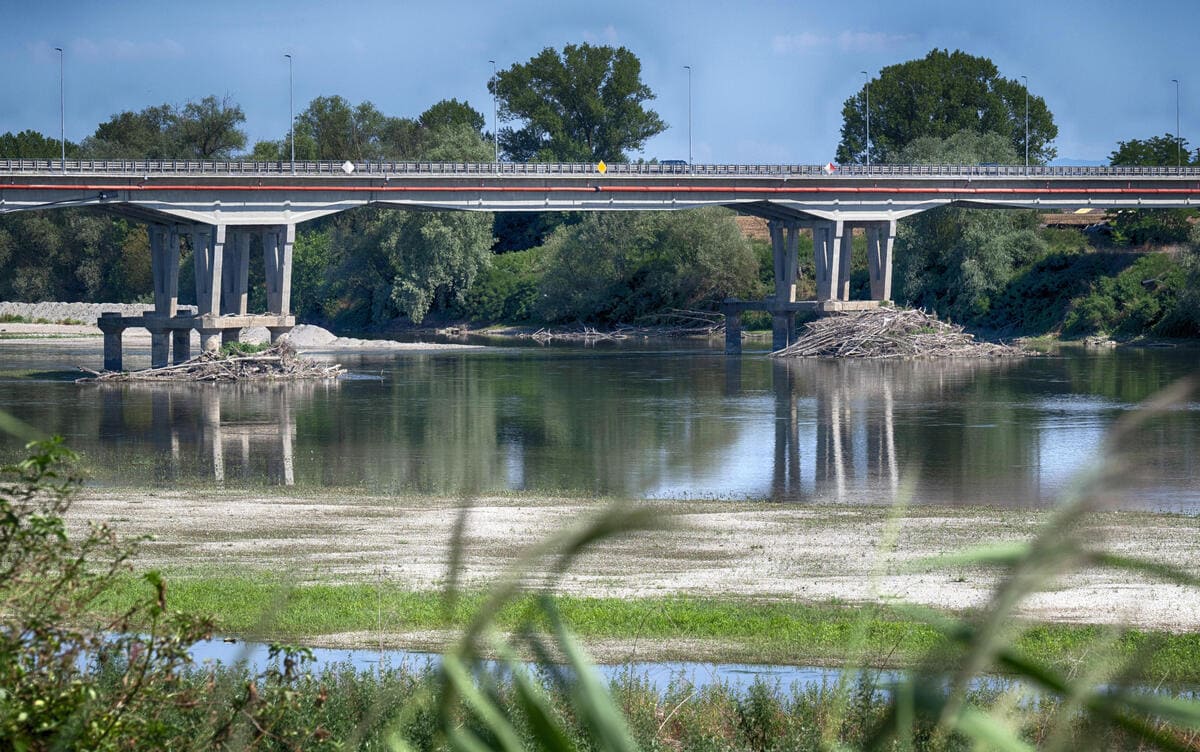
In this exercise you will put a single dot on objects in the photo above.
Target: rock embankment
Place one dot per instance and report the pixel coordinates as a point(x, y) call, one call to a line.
point(86, 313)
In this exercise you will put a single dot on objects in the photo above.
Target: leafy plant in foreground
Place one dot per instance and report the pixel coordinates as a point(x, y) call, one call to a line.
point(53, 651)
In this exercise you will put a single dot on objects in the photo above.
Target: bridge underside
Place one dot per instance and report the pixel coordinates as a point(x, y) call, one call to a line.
point(219, 216)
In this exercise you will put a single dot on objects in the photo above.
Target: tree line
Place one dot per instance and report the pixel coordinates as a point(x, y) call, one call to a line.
point(585, 103)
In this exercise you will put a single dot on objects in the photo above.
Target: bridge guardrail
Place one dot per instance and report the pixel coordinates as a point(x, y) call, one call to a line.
point(385, 169)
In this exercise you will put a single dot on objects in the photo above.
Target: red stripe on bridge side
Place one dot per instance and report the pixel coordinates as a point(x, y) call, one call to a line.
point(609, 189)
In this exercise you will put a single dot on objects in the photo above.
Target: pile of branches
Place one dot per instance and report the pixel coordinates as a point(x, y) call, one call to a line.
point(278, 362)
point(890, 333)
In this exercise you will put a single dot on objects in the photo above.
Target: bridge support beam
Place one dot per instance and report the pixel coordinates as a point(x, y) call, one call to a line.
point(785, 244)
point(881, 238)
point(828, 256)
point(221, 292)
point(277, 244)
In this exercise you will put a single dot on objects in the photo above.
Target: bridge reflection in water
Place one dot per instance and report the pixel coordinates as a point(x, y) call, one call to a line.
point(853, 427)
point(220, 432)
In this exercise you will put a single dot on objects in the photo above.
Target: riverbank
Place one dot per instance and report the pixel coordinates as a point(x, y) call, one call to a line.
point(345, 561)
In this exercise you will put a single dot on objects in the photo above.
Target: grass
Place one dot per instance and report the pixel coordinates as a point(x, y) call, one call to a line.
point(671, 627)
point(12, 318)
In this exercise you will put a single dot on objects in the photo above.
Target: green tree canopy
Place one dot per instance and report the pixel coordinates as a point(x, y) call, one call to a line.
point(940, 95)
point(620, 266)
point(30, 144)
point(1156, 151)
point(1142, 226)
point(451, 112)
point(331, 128)
point(955, 260)
point(584, 105)
point(208, 129)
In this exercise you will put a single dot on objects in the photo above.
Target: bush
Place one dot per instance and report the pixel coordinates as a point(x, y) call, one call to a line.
point(508, 289)
point(1133, 302)
point(69, 679)
point(621, 267)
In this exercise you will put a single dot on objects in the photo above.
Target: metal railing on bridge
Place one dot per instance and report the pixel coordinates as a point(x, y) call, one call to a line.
point(370, 169)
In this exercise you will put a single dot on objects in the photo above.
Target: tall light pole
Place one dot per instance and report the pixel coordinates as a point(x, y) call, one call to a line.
point(62, 110)
point(495, 120)
point(1178, 140)
point(688, 68)
point(1026, 80)
point(867, 109)
point(291, 113)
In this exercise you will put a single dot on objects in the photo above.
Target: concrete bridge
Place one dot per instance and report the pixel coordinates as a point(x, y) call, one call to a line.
point(220, 205)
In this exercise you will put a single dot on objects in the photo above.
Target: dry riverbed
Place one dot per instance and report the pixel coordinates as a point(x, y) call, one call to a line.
point(728, 550)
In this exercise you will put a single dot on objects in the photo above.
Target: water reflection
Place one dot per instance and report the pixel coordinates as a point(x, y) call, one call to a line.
point(654, 424)
point(205, 432)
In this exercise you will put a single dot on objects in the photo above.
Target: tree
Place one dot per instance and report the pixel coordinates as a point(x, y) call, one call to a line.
point(621, 266)
point(1142, 226)
point(955, 260)
point(1156, 151)
point(584, 105)
point(940, 95)
point(451, 112)
point(330, 128)
point(208, 129)
point(33, 145)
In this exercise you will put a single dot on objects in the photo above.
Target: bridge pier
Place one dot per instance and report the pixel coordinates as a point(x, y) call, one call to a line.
point(221, 291)
point(832, 256)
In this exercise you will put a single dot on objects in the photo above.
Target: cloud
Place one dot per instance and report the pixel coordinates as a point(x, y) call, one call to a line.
point(608, 35)
point(870, 41)
point(805, 41)
point(108, 50)
point(845, 41)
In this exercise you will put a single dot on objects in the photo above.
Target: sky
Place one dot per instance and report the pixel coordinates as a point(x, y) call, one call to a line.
point(768, 81)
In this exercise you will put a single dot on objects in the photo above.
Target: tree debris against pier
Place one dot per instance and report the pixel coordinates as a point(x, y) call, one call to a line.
point(890, 333)
point(279, 362)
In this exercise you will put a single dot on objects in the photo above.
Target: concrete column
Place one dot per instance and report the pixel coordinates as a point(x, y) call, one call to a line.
point(235, 274)
point(181, 342)
point(783, 329)
point(229, 336)
point(277, 264)
point(164, 266)
point(160, 344)
point(208, 250)
point(792, 256)
point(827, 242)
point(110, 324)
point(733, 332)
point(881, 239)
point(277, 333)
point(845, 251)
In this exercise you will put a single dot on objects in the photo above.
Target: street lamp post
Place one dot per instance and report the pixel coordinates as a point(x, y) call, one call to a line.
point(688, 68)
point(495, 120)
point(62, 110)
point(1178, 140)
point(291, 113)
point(867, 109)
point(1026, 80)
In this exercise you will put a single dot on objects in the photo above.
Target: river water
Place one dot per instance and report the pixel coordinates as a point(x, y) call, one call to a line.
point(667, 420)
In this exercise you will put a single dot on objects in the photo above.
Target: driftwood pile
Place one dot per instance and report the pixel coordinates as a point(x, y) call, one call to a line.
point(890, 333)
point(280, 362)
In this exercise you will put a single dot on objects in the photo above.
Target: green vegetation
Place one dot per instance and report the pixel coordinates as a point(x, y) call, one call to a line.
point(942, 94)
point(733, 629)
point(12, 318)
point(243, 348)
point(584, 105)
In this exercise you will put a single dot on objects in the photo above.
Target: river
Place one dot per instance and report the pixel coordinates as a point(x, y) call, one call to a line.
point(649, 420)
